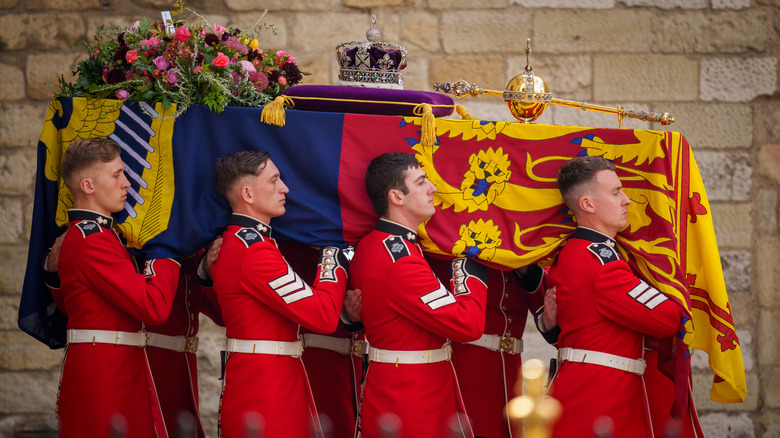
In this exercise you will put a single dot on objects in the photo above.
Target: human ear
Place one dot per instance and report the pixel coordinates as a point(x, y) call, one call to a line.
point(586, 204)
point(395, 197)
point(86, 186)
point(246, 194)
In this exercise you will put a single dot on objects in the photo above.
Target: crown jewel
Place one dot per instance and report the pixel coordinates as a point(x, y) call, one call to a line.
point(371, 63)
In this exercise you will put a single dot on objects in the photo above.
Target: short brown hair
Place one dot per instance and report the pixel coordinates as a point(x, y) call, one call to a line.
point(386, 172)
point(232, 167)
point(577, 172)
point(82, 154)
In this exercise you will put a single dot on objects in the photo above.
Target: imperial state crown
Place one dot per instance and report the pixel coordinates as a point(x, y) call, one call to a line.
point(371, 63)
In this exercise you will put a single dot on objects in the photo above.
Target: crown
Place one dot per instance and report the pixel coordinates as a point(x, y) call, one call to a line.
point(371, 63)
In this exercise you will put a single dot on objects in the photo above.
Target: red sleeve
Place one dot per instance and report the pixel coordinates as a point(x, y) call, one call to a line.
point(147, 297)
point(270, 279)
point(634, 304)
point(418, 295)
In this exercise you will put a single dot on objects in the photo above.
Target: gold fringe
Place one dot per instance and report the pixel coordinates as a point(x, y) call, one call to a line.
point(428, 128)
point(461, 110)
point(273, 113)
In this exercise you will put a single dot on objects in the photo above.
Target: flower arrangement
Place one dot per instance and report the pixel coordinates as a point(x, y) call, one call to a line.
point(183, 63)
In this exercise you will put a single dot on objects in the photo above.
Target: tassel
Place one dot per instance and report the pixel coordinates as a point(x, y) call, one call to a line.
point(428, 131)
point(461, 110)
point(273, 113)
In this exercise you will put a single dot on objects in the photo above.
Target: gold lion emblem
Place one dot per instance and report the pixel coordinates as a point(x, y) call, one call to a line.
point(486, 178)
point(478, 239)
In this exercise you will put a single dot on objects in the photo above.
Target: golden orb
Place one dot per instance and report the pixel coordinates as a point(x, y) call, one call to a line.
point(527, 96)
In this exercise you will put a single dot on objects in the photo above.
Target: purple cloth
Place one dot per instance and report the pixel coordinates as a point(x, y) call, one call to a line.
point(360, 93)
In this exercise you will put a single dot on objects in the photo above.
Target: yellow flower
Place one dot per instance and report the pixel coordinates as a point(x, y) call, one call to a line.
point(254, 44)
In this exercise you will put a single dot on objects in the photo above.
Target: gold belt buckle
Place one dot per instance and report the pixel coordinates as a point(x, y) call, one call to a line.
point(507, 345)
point(191, 345)
point(356, 348)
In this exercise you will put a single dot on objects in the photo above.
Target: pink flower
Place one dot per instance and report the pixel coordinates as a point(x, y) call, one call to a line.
point(151, 42)
point(131, 56)
point(282, 80)
point(247, 66)
point(197, 69)
point(161, 63)
point(182, 34)
point(282, 57)
point(173, 77)
point(221, 61)
point(122, 94)
point(219, 29)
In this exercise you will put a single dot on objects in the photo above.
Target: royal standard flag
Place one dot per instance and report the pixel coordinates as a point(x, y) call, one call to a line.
point(497, 200)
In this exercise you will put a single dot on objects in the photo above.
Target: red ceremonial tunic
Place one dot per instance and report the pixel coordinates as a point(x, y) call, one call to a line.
point(262, 298)
point(176, 373)
point(604, 307)
point(405, 307)
point(334, 376)
point(101, 290)
point(487, 377)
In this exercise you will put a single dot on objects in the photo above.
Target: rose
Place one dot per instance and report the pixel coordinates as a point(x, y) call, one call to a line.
point(197, 69)
point(172, 76)
point(282, 80)
point(221, 61)
point(161, 63)
point(131, 56)
point(247, 66)
point(182, 34)
point(122, 94)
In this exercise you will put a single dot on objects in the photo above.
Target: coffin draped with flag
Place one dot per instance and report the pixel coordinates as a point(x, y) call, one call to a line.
point(497, 199)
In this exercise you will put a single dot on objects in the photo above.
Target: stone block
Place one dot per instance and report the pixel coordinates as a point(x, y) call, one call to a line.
point(769, 162)
point(212, 341)
point(648, 78)
point(743, 305)
point(13, 79)
point(63, 5)
point(51, 31)
point(8, 4)
point(667, 4)
point(416, 75)
point(420, 33)
point(282, 5)
point(9, 310)
point(576, 4)
point(726, 175)
point(320, 33)
point(466, 4)
point(770, 420)
point(702, 382)
point(17, 171)
point(737, 79)
point(767, 121)
point(12, 269)
point(47, 68)
point(719, 425)
point(267, 39)
point(768, 271)
point(581, 31)
point(28, 392)
point(730, 4)
point(110, 24)
point(768, 343)
point(11, 220)
point(39, 426)
point(485, 70)
point(736, 269)
point(567, 77)
point(767, 212)
point(22, 352)
point(372, 3)
point(484, 31)
point(534, 345)
point(323, 69)
point(711, 32)
point(718, 126)
point(770, 379)
point(733, 225)
point(577, 117)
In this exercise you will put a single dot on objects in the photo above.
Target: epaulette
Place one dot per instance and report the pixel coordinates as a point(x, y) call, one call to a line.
point(249, 236)
point(604, 252)
point(396, 247)
point(89, 227)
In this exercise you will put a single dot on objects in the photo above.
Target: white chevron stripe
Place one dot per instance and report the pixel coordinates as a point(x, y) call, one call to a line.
point(290, 287)
point(438, 298)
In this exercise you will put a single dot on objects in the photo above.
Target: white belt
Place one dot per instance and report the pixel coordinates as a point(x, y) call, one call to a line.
point(179, 344)
point(410, 357)
point(499, 343)
point(339, 345)
point(134, 339)
point(636, 366)
point(279, 348)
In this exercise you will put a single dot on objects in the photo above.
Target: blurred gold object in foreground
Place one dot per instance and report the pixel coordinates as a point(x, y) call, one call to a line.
point(533, 410)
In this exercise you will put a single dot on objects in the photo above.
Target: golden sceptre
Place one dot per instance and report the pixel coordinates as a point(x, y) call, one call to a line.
point(534, 411)
point(527, 96)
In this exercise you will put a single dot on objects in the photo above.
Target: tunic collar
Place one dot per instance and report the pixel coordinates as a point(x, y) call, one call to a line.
point(250, 222)
point(593, 236)
point(397, 229)
point(76, 214)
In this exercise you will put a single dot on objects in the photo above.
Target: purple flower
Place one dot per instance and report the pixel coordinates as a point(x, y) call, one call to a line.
point(161, 63)
point(259, 79)
point(292, 72)
point(211, 39)
point(199, 58)
point(115, 76)
point(122, 94)
point(172, 76)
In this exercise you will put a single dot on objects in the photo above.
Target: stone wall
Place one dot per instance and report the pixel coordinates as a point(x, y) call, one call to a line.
point(712, 64)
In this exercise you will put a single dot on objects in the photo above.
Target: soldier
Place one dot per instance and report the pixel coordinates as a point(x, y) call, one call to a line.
point(604, 310)
point(409, 316)
point(264, 302)
point(107, 303)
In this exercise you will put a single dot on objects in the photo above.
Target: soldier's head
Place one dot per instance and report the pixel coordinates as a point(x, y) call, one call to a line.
point(93, 171)
point(399, 189)
point(592, 190)
point(252, 184)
